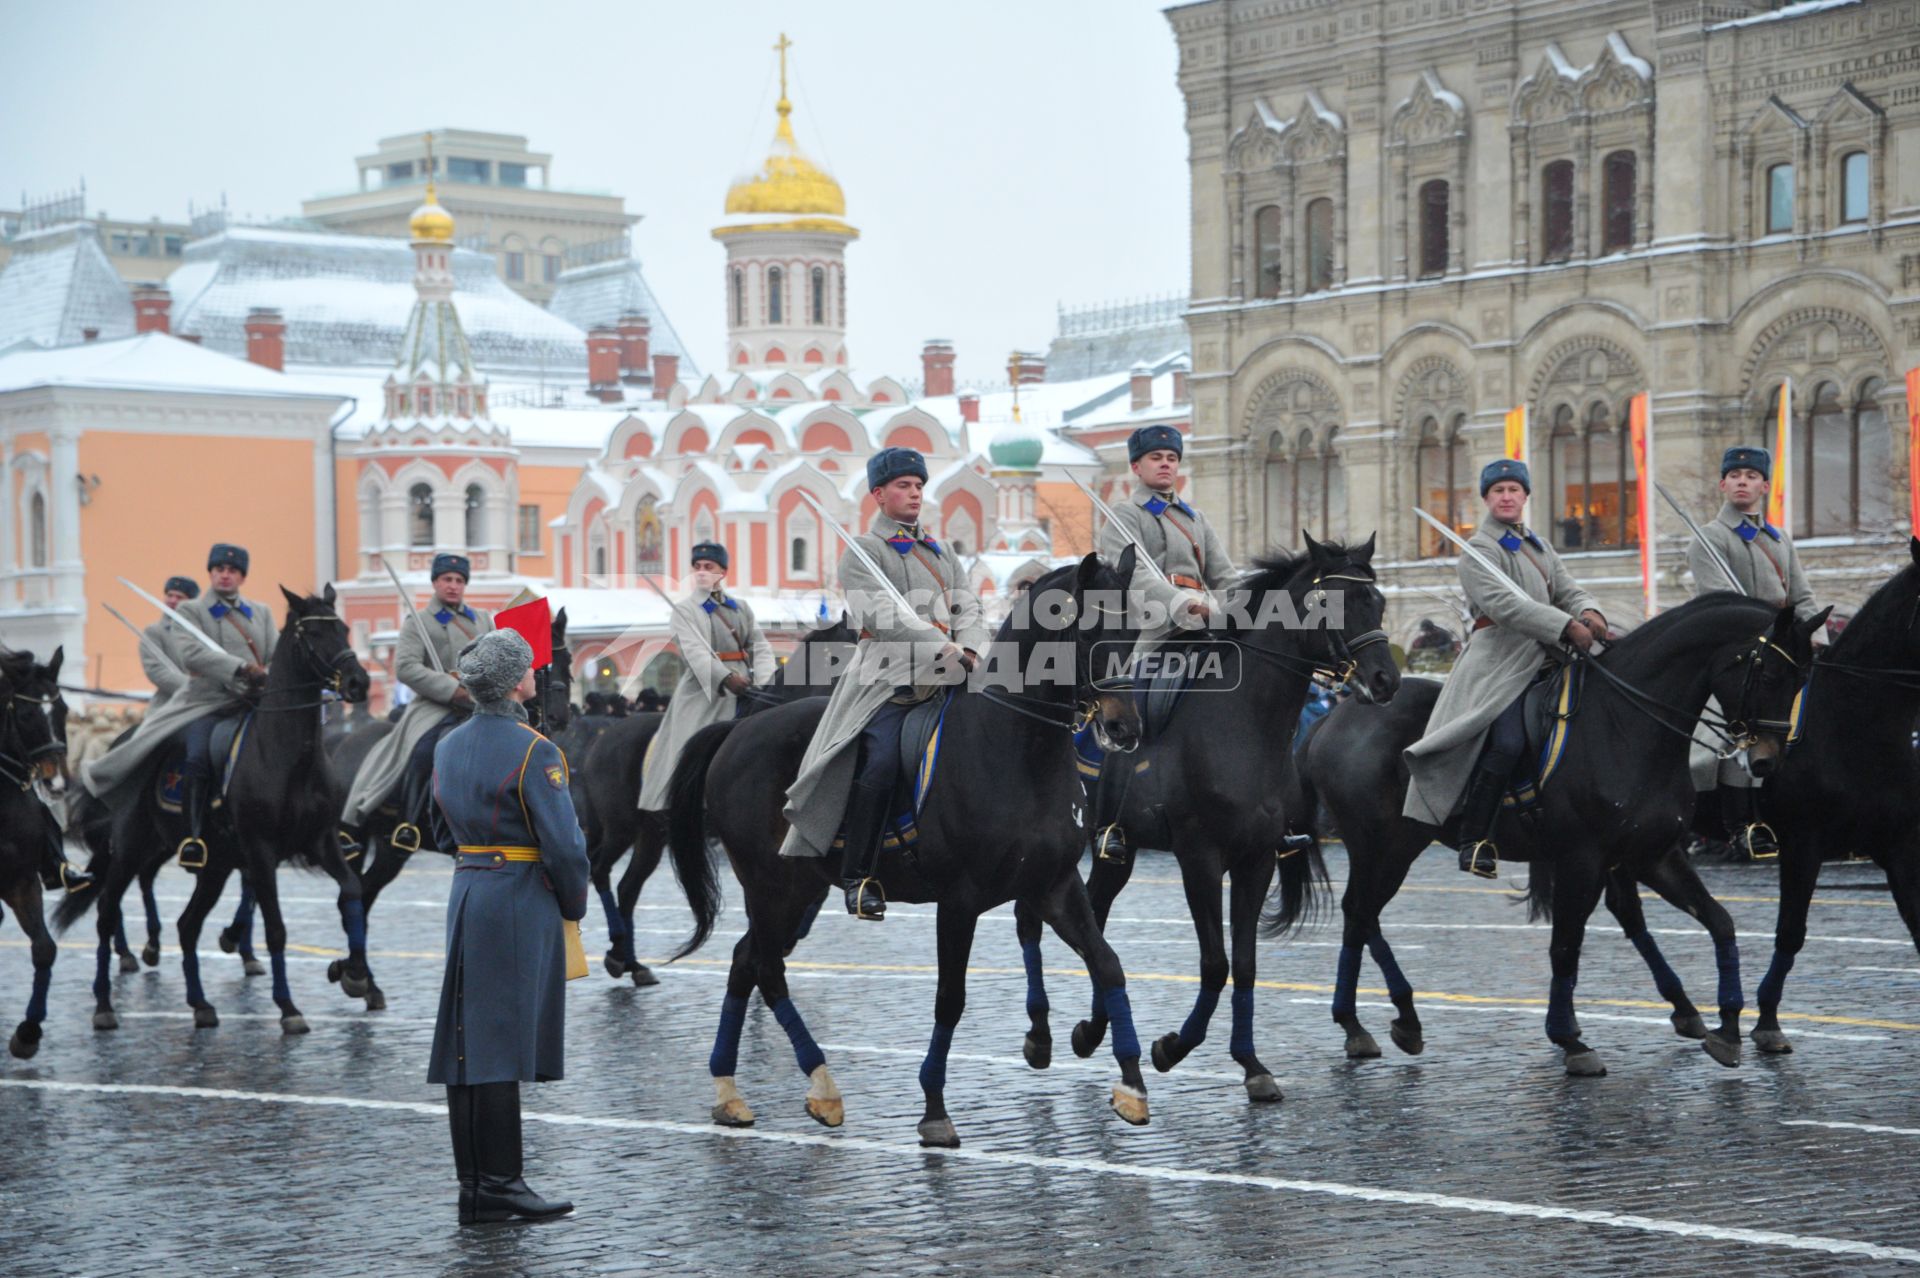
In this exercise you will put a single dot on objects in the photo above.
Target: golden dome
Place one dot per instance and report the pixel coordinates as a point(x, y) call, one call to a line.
point(787, 181)
point(431, 224)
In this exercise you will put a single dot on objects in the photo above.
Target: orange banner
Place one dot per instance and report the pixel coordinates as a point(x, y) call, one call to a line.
point(1640, 427)
point(1782, 460)
point(1517, 433)
point(1913, 448)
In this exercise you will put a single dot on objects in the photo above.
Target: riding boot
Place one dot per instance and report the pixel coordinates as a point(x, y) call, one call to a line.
point(1292, 845)
point(860, 856)
point(1109, 793)
point(1478, 855)
point(56, 872)
point(1749, 838)
point(460, 1122)
point(192, 850)
point(501, 1192)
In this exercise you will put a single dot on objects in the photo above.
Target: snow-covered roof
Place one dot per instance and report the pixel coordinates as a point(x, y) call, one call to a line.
point(151, 361)
point(57, 284)
point(602, 612)
point(604, 292)
point(1800, 10)
point(1627, 57)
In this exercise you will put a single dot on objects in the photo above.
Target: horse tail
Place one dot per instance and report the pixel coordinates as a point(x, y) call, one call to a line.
point(1301, 890)
point(1540, 891)
point(693, 864)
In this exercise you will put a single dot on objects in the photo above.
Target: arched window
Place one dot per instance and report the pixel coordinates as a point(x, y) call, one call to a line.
point(1854, 173)
point(1612, 501)
point(1266, 251)
point(37, 530)
point(649, 540)
point(1436, 485)
point(1780, 198)
point(797, 556)
point(1769, 420)
point(1433, 228)
point(1333, 483)
point(476, 516)
point(1556, 211)
point(1283, 524)
point(739, 297)
point(1566, 482)
point(776, 309)
point(420, 515)
point(1319, 245)
point(1619, 177)
point(819, 295)
point(1828, 483)
point(1872, 460)
point(597, 548)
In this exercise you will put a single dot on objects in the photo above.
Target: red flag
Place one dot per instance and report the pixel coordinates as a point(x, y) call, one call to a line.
point(534, 621)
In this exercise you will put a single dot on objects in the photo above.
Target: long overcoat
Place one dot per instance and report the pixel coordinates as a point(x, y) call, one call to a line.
point(1502, 657)
point(499, 784)
point(161, 662)
point(386, 763)
point(896, 650)
point(705, 627)
point(1179, 539)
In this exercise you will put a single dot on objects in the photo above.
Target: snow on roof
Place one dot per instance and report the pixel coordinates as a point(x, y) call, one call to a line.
point(1441, 92)
point(1318, 105)
point(1628, 58)
point(605, 612)
point(1800, 10)
point(59, 282)
point(151, 361)
point(604, 292)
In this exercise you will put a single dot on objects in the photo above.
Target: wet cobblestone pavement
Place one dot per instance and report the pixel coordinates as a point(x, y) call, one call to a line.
point(161, 1150)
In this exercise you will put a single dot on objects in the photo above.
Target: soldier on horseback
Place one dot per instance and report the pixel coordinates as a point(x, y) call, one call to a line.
point(726, 652)
point(903, 658)
point(1766, 567)
point(1479, 715)
point(159, 653)
point(403, 759)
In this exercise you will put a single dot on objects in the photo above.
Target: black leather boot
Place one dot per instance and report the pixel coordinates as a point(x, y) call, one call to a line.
point(860, 855)
point(501, 1193)
point(192, 850)
point(1109, 794)
point(56, 873)
point(1478, 855)
point(460, 1123)
point(1748, 837)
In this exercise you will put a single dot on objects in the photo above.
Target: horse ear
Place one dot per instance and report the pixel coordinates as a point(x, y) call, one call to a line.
point(1363, 553)
point(1087, 569)
point(560, 624)
point(53, 665)
point(1317, 551)
point(1129, 557)
point(1811, 626)
point(1914, 547)
point(328, 595)
point(294, 602)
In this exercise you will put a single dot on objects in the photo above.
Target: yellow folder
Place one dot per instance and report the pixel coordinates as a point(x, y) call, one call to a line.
point(576, 951)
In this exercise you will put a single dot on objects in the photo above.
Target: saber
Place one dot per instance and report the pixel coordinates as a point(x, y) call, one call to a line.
point(426, 640)
point(140, 634)
point(182, 622)
point(671, 605)
point(860, 552)
point(1713, 551)
point(1140, 551)
point(1478, 558)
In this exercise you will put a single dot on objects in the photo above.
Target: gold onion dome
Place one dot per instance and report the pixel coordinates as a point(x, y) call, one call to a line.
point(431, 224)
point(788, 192)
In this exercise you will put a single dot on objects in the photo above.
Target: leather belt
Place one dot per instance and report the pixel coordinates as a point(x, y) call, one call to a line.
point(1483, 623)
point(868, 634)
point(736, 655)
point(1186, 582)
point(498, 855)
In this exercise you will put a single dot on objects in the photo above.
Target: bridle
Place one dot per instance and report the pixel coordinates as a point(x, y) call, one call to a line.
point(22, 765)
point(1736, 732)
point(1339, 663)
point(328, 674)
point(1087, 690)
point(544, 681)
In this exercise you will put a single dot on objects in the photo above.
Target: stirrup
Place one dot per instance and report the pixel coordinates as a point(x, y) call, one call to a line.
point(859, 892)
point(350, 847)
point(1292, 845)
point(192, 853)
point(73, 879)
point(1107, 841)
point(1772, 850)
point(1472, 863)
point(405, 837)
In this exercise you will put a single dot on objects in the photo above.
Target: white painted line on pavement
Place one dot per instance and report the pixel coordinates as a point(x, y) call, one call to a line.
point(1041, 1162)
point(1585, 1015)
point(1876, 1128)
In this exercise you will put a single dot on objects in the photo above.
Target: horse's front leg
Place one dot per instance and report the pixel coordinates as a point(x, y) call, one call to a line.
point(267, 891)
point(954, 927)
point(1251, 879)
point(649, 843)
point(355, 976)
point(1070, 914)
point(150, 954)
point(1200, 875)
point(1038, 1047)
point(1799, 874)
point(29, 911)
point(238, 935)
point(207, 886)
point(1576, 890)
point(1106, 882)
point(1673, 877)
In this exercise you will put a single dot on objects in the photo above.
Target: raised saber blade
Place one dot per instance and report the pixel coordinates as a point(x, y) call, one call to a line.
point(139, 634)
point(426, 639)
point(1480, 559)
point(179, 620)
point(1713, 551)
point(1140, 551)
point(668, 599)
point(860, 552)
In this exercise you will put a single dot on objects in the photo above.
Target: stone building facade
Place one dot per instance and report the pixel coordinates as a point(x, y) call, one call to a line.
point(1411, 216)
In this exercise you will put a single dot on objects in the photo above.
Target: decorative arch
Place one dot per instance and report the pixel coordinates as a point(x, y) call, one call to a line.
point(1427, 152)
point(1256, 145)
point(1579, 396)
point(1812, 338)
point(1297, 414)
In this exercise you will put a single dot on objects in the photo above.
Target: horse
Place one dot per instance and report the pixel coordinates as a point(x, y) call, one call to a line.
point(1852, 784)
point(610, 785)
point(549, 711)
point(282, 804)
point(999, 820)
point(33, 754)
point(1217, 778)
point(1617, 801)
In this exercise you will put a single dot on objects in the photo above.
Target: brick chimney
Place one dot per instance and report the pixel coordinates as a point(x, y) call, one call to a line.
point(267, 338)
point(89, 334)
point(1140, 382)
point(1026, 367)
point(936, 366)
point(152, 307)
point(189, 337)
point(1180, 384)
point(603, 364)
point(666, 374)
point(970, 407)
point(635, 331)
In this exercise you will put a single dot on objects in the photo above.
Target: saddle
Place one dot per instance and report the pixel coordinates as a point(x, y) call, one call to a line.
point(1548, 705)
point(919, 752)
point(170, 786)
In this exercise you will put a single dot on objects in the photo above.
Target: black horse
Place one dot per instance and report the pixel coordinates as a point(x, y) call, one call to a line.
point(1213, 784)
point(999, 821)
point(33, 757)
point(381, 861)
point(1854, 787)
point(1610, 813)
point(608, 794)
point(282, 804)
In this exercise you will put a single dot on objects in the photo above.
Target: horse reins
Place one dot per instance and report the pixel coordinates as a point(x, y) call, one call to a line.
point(330, 674)
point(1341, 663)
point(1735, 734)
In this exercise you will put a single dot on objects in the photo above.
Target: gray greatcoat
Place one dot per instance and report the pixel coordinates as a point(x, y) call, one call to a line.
point(214, 686)
point(1500, 660)
point(1180, 540)
point(702, 627)
point(161, 661)
point(386, 763)
point(894, 651)
point(500, 784)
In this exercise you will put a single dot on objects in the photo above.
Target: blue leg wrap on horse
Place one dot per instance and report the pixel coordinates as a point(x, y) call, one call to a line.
point(726, 1043)
point(1774, 983)
point(1126, 1044)
point(1397, 983)
point(1194, 1031)
point(190, 968)
point(1036, 979)
point(354, 915)
point(243, 912)
point(806, 920)
point(1560, 1008)
point(153, 911)
point(120, 934)
point(37, 1005)
point(1727, 955)
point(933, 1070)
point(1241, 1044)
point(612, 909)
point(1346, 981)
point(805, 1050)
point(1664, 978)
point(101, 960)
point(281, 993)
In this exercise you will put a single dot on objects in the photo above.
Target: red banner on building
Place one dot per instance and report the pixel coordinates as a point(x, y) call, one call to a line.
point(1913, 449)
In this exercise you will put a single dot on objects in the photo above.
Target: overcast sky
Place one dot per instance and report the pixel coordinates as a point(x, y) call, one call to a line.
point(999, 156)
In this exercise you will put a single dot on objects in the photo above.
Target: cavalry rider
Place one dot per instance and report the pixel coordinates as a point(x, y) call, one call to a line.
point(1180, 540)
point(1765, 567)
point(404, 757)
point(725, 652)
point(901, 660)
point(220, 685)
point(159, 651)
point(500, 796)
point(1513, 637)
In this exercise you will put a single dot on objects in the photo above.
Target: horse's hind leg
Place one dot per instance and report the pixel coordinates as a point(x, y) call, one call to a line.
point(1799, 873)
point(824, 1104)
point(108, 919)
point(954, 924)
point(730, 1109)
point(356, 977)
point(1576, 890)
point(650, 841)
point(207, 886)
point(268, 893)
point(150, 955)
point(28, 908)
point(1673, 877)
point(238, 935)
point(1108, 878)
point(1250, 883)
point(1377, 868)
point(1200, 874)
point(1068, 911)
point(1038, 1047)
point(1623, 902)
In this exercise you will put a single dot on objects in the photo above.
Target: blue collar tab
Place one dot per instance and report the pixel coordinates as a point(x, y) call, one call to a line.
point(220, 610)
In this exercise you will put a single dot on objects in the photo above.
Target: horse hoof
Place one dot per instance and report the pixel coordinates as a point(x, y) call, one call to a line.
point(106, 1021)
point(1131, 1105)
point(643, 976)
point(1772, 1042)
point(1262, 1089)
point(1038, 1051)
point(295, 1024)
point(254, 967)
point(1362, 1046)
point(734, 1113)
point(26, 1041)
point(150, 955)
point(938, 1133)
point(129, 964)
point(1406, 1038)
point(205, 1018)
point(615, 968)
point(334, 969)
point(1689, 1025)
point(1166, 1052)
point(1086, 1039)
point(228, 941)
point(355, 987)
point(1724, 1050)
point(1585, 1063)
point(376, 998)
point(828, 1111)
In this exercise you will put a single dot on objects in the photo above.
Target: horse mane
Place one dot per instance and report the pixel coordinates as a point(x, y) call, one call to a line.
point(1272, 571)
point(1046, 581)
point(1880, 613)
point(1654, 627)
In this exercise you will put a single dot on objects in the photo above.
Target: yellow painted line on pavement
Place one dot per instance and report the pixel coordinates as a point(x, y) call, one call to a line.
point(1651, 896)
